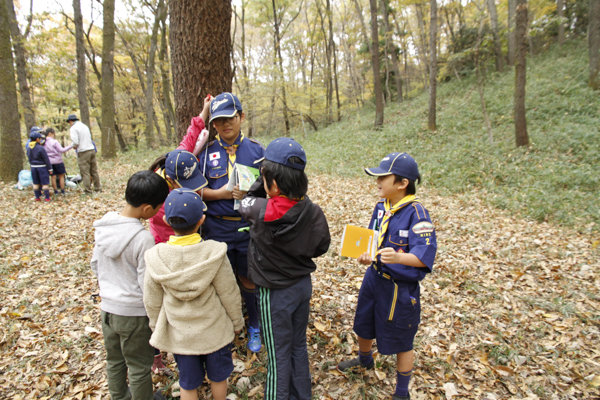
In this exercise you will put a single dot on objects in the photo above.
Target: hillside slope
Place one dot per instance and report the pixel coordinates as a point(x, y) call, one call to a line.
point(555, 179)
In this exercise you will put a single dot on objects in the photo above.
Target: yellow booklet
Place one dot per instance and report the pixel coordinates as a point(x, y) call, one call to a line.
point(357, 240)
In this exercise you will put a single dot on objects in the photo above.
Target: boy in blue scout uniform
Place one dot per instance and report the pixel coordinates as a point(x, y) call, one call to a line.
point(389, 305)
point(223, 223)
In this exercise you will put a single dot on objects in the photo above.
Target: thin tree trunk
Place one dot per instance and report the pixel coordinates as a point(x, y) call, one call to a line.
point(433, 66)
point(594, 43)
point(421, 43)
point(512, 10)
point(520, 74)
point(560, 8)
point(364, 30)
point(200, 40)
point(276, 26)
point(21, 61)
point(150, 75)
point(497, 45)
point(163, 57)
point(11, 152)
point(246, 83)
point(84, 110)
point(333, 52)
point(376, 69)
point(109, 143)
point(392, 50)
point(328, 75)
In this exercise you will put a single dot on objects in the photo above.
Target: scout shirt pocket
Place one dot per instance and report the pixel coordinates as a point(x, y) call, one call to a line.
point(216, 173)
point(399, 240)
point(407, 312)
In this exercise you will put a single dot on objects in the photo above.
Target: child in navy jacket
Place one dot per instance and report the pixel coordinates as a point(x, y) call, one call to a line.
point(40, 165)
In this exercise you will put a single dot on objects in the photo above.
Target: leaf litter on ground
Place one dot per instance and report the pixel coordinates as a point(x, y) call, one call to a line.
point(511, 311)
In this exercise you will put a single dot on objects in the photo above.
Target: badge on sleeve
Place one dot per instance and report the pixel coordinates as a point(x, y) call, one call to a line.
point(379, 214)
point(423, 227)
point(214, 156)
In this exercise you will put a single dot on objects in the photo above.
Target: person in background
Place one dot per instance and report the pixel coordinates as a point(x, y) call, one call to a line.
point(86, 154)
point(55, 150)
point(41, 168)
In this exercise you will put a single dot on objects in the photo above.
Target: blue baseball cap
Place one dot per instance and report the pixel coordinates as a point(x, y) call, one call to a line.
point(400, 164)
point(182, 167)
point(281, 150)
point(224, 105)
point(35, 129)
point(185, 204)
point(35, 135)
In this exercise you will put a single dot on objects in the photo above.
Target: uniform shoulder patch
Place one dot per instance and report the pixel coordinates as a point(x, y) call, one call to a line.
point(423, 227)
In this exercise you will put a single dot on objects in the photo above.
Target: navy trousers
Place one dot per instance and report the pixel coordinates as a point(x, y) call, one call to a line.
point(283, 320)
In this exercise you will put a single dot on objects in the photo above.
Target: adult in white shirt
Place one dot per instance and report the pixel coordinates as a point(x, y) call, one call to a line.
point(86, 154)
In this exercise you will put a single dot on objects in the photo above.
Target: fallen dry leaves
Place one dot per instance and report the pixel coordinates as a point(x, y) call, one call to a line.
point(511, 311)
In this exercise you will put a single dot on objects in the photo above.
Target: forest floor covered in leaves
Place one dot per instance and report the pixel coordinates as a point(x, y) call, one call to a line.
point(511, 311)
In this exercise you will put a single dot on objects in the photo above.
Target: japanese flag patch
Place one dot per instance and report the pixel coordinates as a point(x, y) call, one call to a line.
point(214, 156)
point(379, 214)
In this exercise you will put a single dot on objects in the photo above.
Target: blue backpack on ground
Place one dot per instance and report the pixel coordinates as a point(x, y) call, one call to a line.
point(24, 179)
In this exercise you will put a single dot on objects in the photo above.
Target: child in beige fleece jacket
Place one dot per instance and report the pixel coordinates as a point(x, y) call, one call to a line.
point(192, 299)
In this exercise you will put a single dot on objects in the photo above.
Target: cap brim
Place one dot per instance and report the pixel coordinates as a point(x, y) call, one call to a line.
point(377, 171)
point(222, 114)
point(259, 160)
point(194, 184)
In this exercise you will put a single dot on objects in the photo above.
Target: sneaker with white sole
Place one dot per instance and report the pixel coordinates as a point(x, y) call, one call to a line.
point(254, 343)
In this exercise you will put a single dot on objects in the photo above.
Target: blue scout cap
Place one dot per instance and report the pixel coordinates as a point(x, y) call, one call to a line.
point(182, 167)
point(35, 129)
point(281, 150)
point(35, 135)
point(224, 105)
point(400, 164)
point(185, 204)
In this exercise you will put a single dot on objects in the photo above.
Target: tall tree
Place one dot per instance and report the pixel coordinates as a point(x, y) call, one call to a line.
point(433, 66)
point(497, 45)
point(150, 74)
point(560, 8)
point(200, 41)
point(512, 10)
point(334, 53)
point(109, 142)
point(520, 74)
point(392, 49)
point(84, 110)
point(594, 44)
point(11, 153)
point(376, 68)
point(163, 58)
point(21, 58)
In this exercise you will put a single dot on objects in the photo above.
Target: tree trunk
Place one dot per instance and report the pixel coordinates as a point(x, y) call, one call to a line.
point(200, 40)
point(246, 84)
point(332, 51)
point(480, 72)
point(276, 26)
point(168, 113)
point(21, 58)
point(594, 44)
point(433, 65)
point(84, 110)
point(512, 6)
point(497, 45)
point(376, 68)
point(11, 152)
point(422, 43)
point(109, 142)
point(363, 26)
point(150, 75)
point(520, 73)
point(392, 50)
point(560, 8)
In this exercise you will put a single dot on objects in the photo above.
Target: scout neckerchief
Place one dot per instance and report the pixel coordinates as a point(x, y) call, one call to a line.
point(231, 149)
point(161, 172)
point(185, 240)
point(389, 212)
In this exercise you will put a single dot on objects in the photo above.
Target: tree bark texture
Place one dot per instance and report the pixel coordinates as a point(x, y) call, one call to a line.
point(594, 43)
point(11, 152)
point(497, 45)
point(150, 75)
point(376, 68)
point(109, 141)
point(84, 110)
point(21, 58)
point(433, 66)
point(200, 40)
point(512, 10)
point(392, 49)
point(520, 74)
point(560, 8)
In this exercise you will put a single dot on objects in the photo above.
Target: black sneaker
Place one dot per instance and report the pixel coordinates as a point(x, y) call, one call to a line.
point(396, 397)
point(354, 363)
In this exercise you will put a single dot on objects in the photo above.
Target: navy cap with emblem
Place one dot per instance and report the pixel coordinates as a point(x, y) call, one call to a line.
point(184, 204)
point(281, 150)
point(182, 167)
point(224, 105)
point(401, 164)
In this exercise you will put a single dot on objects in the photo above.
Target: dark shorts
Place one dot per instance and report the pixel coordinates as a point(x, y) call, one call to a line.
point(388, 311)
point(226, 231)
point(40, 176)
point(217, 366)
point(58, 169)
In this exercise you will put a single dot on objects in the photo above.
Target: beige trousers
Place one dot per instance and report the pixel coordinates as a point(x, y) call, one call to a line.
point(89, 170)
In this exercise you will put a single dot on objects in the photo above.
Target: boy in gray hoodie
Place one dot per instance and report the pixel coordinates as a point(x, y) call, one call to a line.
point(118, 262)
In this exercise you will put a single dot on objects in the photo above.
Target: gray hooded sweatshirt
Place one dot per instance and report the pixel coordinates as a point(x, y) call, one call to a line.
point(118, 262)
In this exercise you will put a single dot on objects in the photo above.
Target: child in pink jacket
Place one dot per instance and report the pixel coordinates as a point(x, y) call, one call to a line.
point(55, 150)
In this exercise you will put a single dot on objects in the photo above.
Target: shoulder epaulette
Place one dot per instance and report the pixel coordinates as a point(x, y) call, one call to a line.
point(256, 141)
point(209, 144)
point(420, 210)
